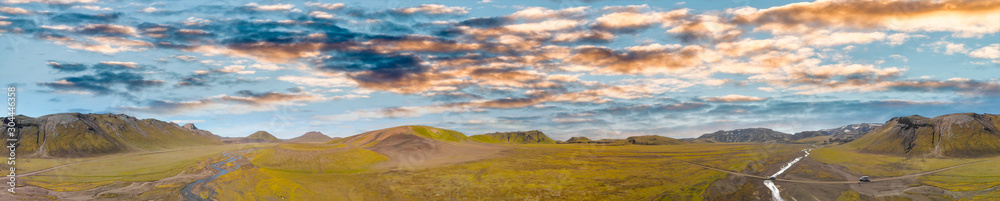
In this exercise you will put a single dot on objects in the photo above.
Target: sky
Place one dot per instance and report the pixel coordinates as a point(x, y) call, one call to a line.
point(594, 68)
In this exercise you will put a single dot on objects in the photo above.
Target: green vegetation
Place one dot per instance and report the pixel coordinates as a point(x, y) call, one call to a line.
point(517, 137)
point(971, 177)
point(527, 172)
point(880, 164)
point(577, 140)
point(957, 135)
point(140, 166)
point(439, 134)
point(654, 140)
point(311, 159)
point(263, 135)
point(83, 135)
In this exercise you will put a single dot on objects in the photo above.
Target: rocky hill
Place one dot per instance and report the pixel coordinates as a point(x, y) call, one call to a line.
point(747, 135)
point(82, 135)
point(312, 136)
point(517, 137)
point(953, 135)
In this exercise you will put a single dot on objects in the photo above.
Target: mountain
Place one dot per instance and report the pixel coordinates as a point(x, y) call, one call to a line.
point(952, 135)
point(413, 146)
point(83, 135)
point(583, 140)
point(517, 137)
point(312, 136)
point(841, 134)
point(654, 140)
point(747, 135)
point(262, 136)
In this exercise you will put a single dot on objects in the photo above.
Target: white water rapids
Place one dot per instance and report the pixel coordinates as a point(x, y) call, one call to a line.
point(775, 193)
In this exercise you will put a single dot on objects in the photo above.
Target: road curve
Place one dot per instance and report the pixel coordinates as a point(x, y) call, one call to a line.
point(912, 175)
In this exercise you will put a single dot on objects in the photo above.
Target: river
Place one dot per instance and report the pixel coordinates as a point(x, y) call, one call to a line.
point(775, 192)
point(187, 191)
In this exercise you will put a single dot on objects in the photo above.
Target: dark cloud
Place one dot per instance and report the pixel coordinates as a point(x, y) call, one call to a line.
point(85, 18)
point(104, 83)
point(67, 67)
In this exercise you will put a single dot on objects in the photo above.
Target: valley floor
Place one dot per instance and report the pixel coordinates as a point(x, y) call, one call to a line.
point(521, 172)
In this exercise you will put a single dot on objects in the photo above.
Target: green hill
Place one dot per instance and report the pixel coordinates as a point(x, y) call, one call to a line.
point(957, 135)
point(263, 136)
point(655, 140)
point(583, 140)
point(371, 138)
point(517, 137)
point(312, 136)
point(82, 135)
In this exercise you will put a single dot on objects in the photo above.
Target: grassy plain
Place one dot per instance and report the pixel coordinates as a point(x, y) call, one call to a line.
point(525, 172)
point(89, 173)
point(972, 177)
point(882, 165)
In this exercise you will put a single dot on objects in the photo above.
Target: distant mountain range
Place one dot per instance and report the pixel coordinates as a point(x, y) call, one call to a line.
point(747, 135)
point(841, 134)
point(83, 135)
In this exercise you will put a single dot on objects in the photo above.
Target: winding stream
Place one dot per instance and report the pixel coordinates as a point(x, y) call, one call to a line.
point(775, 192)
point(187, 191)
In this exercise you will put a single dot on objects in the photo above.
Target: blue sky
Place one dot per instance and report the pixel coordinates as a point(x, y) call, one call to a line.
point(601, 69)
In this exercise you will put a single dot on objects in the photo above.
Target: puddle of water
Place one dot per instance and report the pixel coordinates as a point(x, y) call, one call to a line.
point(775, 192)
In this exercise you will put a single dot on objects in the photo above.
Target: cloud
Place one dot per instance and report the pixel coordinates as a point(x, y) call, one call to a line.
point(52, 2)
point(433, 9)
point(104, 83)
point(991, 51)
point(328, 6)
point(652, 58)
point(67, 67)
point(328, 82)
point(630, 22)
point(244, 102)
point(962, 17)
point(101, 44)
point(733, 98)
point(537, 13)
point(107, 30)
point(275, 7)
point(14, 11)
point(118, 64)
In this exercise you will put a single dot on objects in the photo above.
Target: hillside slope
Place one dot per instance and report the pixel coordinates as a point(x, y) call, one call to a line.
point(747, 135)
point(263, 136)
point(956, 135)
point(517, 137)
point(312, 136)
point(81, 135)
point(654, 140)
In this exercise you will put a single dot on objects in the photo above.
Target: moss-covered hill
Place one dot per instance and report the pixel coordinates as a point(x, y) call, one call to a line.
point(263, 136)
point(373, 137)
point(957, 135)
point(81, 135)
point(311, 136)
point(655, 140)
point(517, 137)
